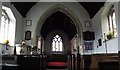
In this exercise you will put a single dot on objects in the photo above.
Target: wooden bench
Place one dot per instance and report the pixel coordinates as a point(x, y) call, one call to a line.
point(100, 60)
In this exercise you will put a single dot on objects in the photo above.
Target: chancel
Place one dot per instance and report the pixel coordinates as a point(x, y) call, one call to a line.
point(60, 35)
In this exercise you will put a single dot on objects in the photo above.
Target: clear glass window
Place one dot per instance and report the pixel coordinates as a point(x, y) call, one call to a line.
point(112, 21)
point(4, 26)
point(57, 44)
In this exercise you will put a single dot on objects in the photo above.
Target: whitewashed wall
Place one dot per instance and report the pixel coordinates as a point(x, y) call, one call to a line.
point(97, 22)
point(38, 10)
point(100, 27)
point(97, 28)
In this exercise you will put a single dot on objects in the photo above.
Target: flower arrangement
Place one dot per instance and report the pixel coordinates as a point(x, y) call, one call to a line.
point(110, 35)
point(6, 42)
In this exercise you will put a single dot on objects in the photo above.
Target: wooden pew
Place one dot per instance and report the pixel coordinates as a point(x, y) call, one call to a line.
point(100, 60)
point(87, 61)
point(34, 62)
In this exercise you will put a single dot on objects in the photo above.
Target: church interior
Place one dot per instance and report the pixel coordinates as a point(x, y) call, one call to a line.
point(60, 35)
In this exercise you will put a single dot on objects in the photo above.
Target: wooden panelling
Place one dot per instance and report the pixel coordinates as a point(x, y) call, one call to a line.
point(100, 60)
point(37, 62)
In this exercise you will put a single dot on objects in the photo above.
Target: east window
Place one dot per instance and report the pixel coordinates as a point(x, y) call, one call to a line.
point(57, 44)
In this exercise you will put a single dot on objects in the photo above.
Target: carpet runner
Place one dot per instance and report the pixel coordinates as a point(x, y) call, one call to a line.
point(57, 61)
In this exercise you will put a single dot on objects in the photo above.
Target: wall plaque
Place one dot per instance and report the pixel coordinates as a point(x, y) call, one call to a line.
point(28, 35)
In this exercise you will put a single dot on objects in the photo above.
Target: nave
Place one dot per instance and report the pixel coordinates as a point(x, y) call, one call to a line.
point(60, 36)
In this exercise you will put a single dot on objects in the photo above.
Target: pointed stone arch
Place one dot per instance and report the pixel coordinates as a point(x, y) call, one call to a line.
point(66, 11)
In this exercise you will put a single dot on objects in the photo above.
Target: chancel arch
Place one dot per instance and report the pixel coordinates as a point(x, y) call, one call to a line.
point(59, 9)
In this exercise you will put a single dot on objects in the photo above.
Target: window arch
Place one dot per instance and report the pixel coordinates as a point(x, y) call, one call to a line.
point(112, 21)
point(57, 44)
point(4, 25)
point(7, 26)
